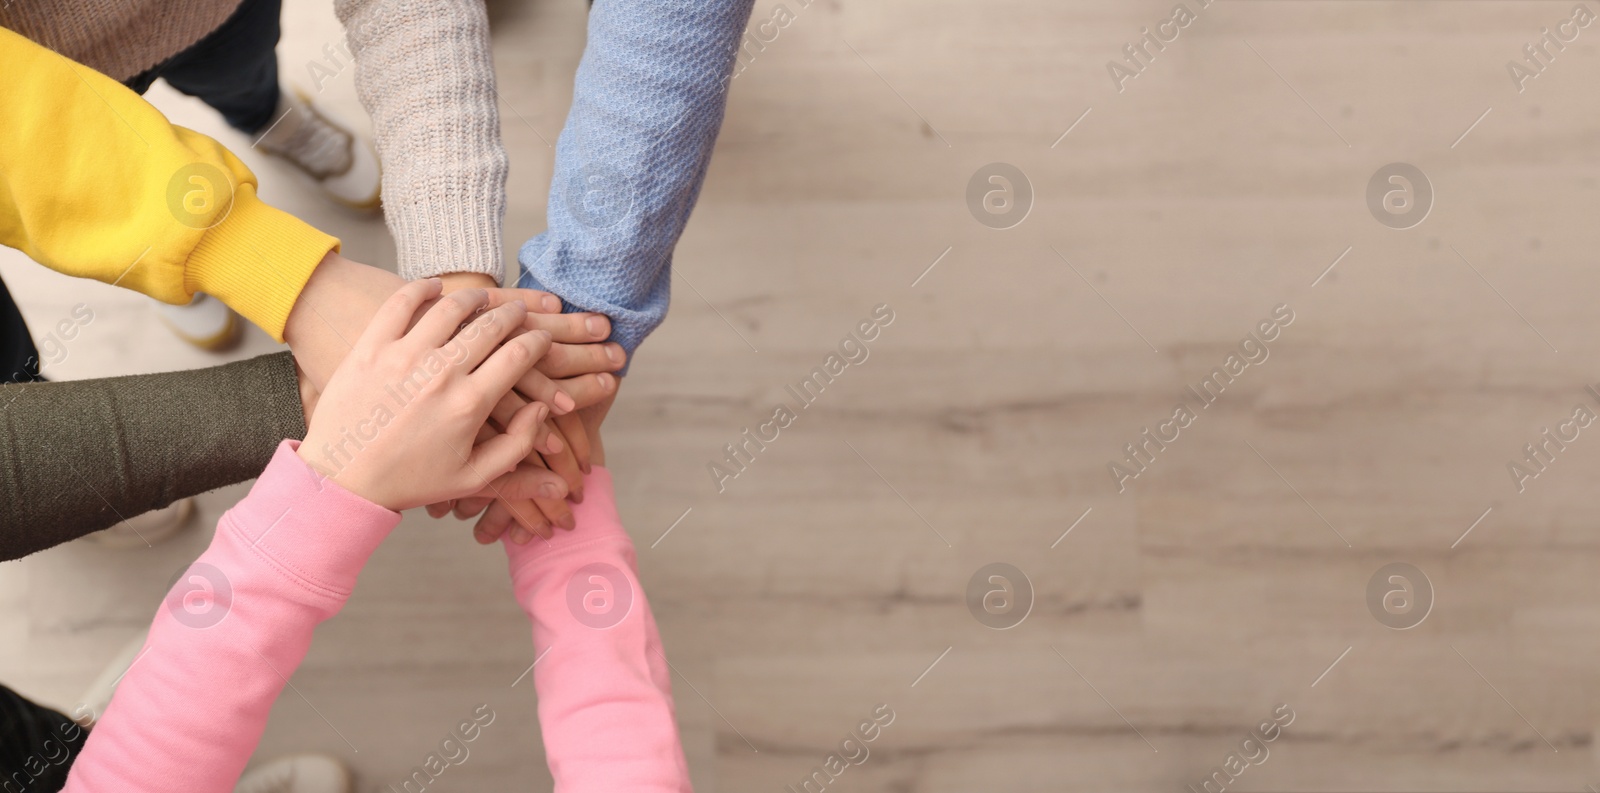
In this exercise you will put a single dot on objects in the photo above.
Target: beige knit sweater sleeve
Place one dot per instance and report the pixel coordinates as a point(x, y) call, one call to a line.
point(426, 76)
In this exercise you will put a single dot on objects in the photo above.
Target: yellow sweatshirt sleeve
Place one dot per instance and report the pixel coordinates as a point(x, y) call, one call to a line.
point(96, 183)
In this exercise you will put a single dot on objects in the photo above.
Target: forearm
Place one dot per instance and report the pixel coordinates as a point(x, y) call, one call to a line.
point(425, 74)
point(604, 685)
point(189, 712)
point(96, 183)
point(82, 455)
point(647, 104)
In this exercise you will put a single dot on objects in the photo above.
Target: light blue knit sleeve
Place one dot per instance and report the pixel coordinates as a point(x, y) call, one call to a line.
point(647, 103)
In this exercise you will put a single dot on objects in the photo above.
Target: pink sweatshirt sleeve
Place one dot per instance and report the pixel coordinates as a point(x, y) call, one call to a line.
point(191, 709)
point(604, 686)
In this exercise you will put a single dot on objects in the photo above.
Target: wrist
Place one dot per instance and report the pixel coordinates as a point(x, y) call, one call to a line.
point(330, 460)
point(332, 310)
point(308, 396)
point(457, 281)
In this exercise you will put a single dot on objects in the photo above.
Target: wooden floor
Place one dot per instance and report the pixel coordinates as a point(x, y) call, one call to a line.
point(1167, 221)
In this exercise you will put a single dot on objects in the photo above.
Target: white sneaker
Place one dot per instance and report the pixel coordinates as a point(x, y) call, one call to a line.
point(205, 322)
point(149, 528)
point(297, 773)
point(342, 163)
point(92, 705)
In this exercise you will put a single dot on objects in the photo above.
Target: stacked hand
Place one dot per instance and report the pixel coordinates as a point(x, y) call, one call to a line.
point(569, 381)
point(582, 367)
point(450, 373)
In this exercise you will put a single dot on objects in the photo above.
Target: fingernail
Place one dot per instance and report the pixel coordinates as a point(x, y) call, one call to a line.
point(615, 354)
point(551, 304)
point(519, 535)
point(568, 522)
point(548, 490)
point(596, 326)
point(564, 403)
point(607, 382)
point(520, 306)
point(577, 496)
point(555, 444)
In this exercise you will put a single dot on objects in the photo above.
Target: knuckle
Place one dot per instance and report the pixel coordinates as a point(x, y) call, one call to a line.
point(517, 354)
point(463, 404)
point(524, 445)
point(459, 302)
point(405, 299)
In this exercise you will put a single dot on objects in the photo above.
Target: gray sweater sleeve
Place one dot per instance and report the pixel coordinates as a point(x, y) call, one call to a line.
point(425, 74)
point(79, 456)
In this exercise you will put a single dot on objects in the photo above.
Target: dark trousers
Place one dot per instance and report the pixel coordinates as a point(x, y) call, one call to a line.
point(37, 745)
point(19, 361)
point(233, 69)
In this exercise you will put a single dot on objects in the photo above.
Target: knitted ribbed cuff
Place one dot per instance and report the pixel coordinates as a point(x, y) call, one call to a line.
point(256, 261)
point(455, 230)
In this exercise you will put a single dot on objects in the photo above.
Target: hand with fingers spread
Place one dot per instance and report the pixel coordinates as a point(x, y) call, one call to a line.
point(399, 421)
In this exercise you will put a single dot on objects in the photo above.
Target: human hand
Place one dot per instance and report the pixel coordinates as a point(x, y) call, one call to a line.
point(537, 513)
point(528, 514)
point(585, 373)
point(508, 514)
point(578, 367)
point(342, 296)
point(418, 399)
point(573, 375)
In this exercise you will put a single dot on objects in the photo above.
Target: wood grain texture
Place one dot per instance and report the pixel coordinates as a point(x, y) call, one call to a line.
point(1177, 214)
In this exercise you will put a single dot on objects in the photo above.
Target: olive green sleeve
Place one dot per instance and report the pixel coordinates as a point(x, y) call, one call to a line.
point(80, 456)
